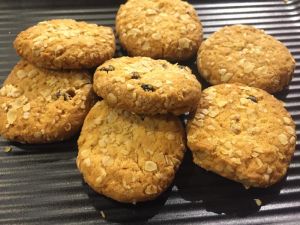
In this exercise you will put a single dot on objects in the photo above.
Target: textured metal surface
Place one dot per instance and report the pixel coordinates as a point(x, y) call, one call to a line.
point(39, 184)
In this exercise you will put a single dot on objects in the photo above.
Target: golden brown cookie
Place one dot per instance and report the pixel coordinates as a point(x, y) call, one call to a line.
point(66, 44)
point(127, 157)
point(244, 54)
point(146, 86)
point(42, 106)
point(166, 29)
point(242, 133)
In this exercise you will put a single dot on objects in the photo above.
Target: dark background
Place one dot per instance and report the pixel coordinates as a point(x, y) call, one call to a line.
point(39, 184)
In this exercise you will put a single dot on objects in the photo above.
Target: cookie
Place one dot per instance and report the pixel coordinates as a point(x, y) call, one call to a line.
point(244, 54)
point(42, 106)
point(242, 133)
point(165, 29)
point(66, 44)
point(146, 86)
point(127, 157)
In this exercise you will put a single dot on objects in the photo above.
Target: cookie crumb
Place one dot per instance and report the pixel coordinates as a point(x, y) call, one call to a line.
point(246, 187)
point(102, 214)
point(258, 201)
point(7, 149)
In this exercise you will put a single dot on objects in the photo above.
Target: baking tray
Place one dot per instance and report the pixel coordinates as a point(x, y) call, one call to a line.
point(39, 184)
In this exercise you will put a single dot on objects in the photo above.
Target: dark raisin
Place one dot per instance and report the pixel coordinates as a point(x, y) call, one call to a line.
point(107, 69)
point(147, 87)
point(252, 98)
point(135, 75)
point(164, 66)
point(67, 95)
point(71, 93)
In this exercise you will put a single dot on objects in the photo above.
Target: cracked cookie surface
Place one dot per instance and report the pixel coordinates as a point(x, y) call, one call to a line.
point(242, 133)
point(66, 44)
point(165, 29)
point(245, 54)
point(127, 157)
point(146, 86)
point(42, 106)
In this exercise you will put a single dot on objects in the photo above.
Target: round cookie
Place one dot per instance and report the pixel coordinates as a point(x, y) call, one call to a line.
point(66, 44)
point(242, 133)
point(127, 157)
point(166, 29)
point(244, 54)
point(42, 106)
point(146, 86)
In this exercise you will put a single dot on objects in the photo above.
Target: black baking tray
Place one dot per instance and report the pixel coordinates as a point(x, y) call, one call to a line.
point(39, 184)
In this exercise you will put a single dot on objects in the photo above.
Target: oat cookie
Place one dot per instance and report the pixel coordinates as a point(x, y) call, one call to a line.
point(147, 86)
point(42, 106)
point(66, 44)
point(244, 54)
point(242, 133)
point(127, 157)
point(167, 29)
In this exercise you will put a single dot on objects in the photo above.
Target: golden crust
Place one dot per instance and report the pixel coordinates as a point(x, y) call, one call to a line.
point(127, 157)
point(244, 54)
point(42, 106)
point(146, 86)
point(166, 29)
point(66, 44)
point(242, 133)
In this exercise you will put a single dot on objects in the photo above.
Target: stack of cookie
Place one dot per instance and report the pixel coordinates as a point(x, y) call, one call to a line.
point(243, 133)
point(132, 143)
point(43, 100)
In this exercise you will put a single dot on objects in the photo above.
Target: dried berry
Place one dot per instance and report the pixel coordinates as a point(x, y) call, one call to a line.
point(147, 87)
point(107, 69)
point(252, 98)
point(67, 95)
point(71, 93)
point(135, 75)
point(165, 66)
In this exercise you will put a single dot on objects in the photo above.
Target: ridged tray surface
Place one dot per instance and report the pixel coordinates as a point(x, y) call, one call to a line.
point(39, 184)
